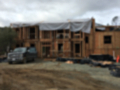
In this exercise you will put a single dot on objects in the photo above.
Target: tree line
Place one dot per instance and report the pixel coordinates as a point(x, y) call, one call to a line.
point(7, 39)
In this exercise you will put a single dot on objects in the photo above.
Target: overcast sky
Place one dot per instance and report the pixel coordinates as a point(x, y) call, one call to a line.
point(57, 10)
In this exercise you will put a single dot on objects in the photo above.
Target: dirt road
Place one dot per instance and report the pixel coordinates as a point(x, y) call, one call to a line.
point(24, 77)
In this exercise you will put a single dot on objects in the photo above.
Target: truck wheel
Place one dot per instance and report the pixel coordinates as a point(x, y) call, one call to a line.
point(33, 59)
point(24, 61)
point(10, 62)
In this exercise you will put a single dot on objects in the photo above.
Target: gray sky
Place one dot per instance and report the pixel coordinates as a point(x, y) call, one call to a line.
point(57, 10)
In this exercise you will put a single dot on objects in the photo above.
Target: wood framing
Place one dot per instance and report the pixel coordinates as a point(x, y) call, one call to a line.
point(67, 44)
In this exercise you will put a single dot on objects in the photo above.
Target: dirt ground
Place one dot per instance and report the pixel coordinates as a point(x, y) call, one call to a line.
point(36, 77)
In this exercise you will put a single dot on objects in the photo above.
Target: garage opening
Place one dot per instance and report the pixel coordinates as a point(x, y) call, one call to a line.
point(46, 51)
point(32, 33)
point(77, 48)
point(60, 47)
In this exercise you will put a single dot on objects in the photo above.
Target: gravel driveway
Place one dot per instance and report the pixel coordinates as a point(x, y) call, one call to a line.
point(98, 73)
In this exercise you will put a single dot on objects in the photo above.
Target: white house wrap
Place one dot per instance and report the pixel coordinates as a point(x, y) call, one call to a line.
point(54, 26)
point(74, 26)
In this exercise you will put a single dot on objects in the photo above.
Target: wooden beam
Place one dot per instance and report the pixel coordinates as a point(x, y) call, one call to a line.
point(83, 46)
point(36, 32)
point(24, 32)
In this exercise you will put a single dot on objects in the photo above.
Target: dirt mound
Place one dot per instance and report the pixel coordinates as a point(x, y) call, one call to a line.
point(29, 79)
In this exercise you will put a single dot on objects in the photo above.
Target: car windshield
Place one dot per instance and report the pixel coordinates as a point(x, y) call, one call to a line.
point(20, 50)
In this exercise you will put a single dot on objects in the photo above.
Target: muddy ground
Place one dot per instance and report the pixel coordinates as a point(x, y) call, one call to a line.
point(51, 76)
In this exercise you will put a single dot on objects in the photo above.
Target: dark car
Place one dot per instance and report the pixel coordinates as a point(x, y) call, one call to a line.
point(22, 54)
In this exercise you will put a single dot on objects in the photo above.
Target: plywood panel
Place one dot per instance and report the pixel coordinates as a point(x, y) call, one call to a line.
point(27, 44)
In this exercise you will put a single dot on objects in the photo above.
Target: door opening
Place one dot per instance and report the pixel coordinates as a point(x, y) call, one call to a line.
point(60, 47)
point(77, 48)
point(46, 51)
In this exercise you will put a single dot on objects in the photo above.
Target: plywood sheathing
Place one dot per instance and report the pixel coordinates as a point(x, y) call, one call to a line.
point(94, 46)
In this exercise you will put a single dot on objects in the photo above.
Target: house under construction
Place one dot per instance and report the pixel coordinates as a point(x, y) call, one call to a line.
point(76, 39)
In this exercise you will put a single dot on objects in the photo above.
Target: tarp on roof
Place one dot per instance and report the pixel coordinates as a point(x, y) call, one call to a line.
point(54, 26)
point(83, 25)
point(98, 24)
point(100, 28)
point(74, 26)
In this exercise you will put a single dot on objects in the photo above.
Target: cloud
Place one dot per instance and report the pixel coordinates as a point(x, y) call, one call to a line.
point(57, 10)
point(103, 17)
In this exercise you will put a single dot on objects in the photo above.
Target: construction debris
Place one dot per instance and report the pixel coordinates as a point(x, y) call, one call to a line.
point(93, 60)
point(115, 70)
point(101, 63)
point(102, 57)
point(69, 62)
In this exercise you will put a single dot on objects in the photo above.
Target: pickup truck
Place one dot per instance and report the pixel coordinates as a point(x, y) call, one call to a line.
point(22, 54)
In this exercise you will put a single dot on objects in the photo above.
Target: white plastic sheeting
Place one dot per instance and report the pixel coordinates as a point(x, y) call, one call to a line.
point(100, 28)
point(54, 26)
point(74, 26)
point(81, 25)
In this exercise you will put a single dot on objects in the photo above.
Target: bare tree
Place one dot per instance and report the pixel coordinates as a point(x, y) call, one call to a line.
point(116, 20)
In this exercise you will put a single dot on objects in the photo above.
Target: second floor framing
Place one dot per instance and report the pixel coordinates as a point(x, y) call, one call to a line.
point(73, 30)
point(33, 33)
